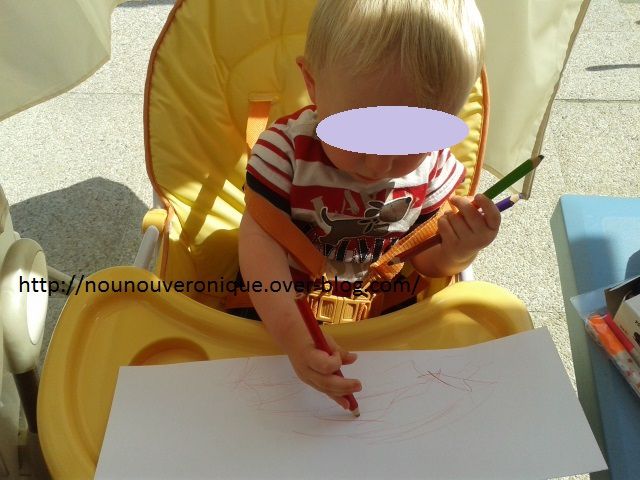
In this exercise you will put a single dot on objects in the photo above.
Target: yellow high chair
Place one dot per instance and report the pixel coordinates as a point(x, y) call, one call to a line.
point(217, 71)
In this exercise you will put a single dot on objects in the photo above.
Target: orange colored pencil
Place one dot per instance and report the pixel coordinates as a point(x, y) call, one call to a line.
point(321, 343)
point(502, 205)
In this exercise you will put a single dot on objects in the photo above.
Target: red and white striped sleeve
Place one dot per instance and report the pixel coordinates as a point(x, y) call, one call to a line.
point(445, 176)
point(270, 166)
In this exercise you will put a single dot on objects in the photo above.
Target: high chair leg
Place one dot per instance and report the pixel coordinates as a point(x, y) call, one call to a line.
point(147, 251)
point(67, 281)
point(57, 275)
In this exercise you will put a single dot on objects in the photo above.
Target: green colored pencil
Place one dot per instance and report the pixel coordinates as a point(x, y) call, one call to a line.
point(511, 178)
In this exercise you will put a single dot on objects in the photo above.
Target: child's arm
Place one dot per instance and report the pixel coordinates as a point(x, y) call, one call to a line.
point(462, 238)
point(262, 259)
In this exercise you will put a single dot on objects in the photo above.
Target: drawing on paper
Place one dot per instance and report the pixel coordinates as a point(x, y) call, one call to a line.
point(402, 402)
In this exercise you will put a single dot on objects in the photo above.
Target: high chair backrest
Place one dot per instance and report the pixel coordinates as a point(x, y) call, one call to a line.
point(212, 60)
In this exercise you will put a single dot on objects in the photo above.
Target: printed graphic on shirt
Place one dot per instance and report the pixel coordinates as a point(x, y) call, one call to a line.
point(355, 234)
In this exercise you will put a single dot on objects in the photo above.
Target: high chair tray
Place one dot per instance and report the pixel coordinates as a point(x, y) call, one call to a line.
point(99, 332)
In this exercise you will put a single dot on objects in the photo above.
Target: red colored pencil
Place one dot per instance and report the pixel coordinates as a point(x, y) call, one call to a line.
point(321, 343)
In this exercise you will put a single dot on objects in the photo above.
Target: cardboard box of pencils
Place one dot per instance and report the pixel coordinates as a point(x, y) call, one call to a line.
point(623, 303)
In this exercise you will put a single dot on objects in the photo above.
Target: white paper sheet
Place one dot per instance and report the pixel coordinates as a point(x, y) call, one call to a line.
point(502, 409)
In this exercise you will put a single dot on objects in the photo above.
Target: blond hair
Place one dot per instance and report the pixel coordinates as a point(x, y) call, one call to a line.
point(438, 44)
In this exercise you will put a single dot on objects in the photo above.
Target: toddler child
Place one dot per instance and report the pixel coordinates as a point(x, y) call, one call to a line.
point(352, 206)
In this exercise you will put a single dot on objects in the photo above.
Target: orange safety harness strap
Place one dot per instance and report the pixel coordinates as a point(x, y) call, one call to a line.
point(257, 119)
point(382, 270)
point(272, 220)
point(280, 227)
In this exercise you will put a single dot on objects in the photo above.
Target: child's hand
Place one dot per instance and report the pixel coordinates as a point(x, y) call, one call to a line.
point(470, 230)
point(316, 368)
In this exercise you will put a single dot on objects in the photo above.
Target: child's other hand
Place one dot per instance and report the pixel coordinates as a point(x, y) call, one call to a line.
point(470, 230)
point(316, 368)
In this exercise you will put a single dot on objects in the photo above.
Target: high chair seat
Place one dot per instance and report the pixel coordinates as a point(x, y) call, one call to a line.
point(99, 332)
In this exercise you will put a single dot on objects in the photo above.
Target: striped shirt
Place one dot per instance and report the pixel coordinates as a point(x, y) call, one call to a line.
point(351, 223)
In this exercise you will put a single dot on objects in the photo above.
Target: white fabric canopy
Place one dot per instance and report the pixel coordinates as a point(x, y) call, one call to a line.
point(528, 42)
point(50, 46)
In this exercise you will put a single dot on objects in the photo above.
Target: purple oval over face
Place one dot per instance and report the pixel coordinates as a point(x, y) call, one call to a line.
point(392, 130)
